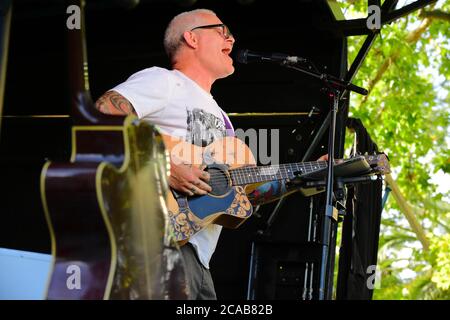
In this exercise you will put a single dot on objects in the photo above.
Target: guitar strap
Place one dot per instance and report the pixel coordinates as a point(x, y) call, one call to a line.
point(229, 128)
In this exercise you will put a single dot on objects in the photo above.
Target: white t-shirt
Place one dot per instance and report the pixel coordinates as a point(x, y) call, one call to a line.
point(181, 108)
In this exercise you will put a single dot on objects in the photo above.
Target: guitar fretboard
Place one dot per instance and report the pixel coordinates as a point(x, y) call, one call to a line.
point(249, 175)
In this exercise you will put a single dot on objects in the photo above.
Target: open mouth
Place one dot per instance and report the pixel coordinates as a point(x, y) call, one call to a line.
point(226, 51)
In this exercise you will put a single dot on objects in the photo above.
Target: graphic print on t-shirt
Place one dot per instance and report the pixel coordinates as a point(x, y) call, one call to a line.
point(203, 127)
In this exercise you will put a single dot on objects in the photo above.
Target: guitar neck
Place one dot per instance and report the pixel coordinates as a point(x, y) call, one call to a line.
point(250, 175)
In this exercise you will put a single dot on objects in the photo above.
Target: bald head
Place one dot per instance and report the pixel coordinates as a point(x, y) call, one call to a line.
point(185, 21)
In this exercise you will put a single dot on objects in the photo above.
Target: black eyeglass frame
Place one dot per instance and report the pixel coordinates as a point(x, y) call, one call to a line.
point(225, 30)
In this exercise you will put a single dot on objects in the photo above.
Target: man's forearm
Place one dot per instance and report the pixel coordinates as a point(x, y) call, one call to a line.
point(269, 192)
point(114, 103)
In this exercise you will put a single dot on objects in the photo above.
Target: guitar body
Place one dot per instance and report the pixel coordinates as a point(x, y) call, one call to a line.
point(226, 205)
point(82, 241)
point(107, 214)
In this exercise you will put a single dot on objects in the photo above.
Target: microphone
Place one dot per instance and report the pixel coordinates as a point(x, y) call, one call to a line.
point(246, 56)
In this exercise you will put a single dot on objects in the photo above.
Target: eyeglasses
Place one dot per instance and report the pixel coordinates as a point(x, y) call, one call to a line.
point(225, 31)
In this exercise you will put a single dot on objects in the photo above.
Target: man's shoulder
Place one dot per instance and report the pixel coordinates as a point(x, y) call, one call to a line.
point(152, 71)
point(158, 74)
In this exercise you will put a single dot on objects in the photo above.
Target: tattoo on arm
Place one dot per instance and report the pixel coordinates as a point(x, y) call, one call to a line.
point(114, 103)
point(269, 192)
point(265, 193)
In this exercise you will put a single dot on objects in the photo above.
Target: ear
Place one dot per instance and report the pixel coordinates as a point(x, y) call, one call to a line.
point(191, 39)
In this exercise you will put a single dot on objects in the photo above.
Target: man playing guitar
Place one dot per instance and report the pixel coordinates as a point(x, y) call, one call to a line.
point(179, 103)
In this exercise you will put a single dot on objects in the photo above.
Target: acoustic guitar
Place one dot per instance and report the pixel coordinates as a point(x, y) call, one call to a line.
point(105, 207)
point(234, 174)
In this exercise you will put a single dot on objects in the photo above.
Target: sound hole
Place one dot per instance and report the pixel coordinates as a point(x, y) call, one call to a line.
point(219, 181)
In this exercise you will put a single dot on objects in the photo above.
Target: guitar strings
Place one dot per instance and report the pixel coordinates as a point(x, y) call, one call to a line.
point(278, 169)
point(243, 175)
point(238, 176)
point(284, 172)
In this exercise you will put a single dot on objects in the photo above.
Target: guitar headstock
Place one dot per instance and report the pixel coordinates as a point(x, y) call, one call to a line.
point(379, 162)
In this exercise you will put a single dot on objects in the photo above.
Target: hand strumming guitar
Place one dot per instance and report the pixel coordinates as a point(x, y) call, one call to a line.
point(189, 179)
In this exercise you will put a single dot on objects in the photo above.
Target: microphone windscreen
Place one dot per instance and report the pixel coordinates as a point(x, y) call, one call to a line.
point(241, 55)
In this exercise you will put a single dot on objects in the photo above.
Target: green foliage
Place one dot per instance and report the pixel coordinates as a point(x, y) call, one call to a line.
point(407, 115)
point(440, 252)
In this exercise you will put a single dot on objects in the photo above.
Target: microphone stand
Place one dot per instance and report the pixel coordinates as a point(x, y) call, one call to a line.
point(334, 87)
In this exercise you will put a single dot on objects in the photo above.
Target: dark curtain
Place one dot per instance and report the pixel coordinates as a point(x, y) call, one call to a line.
point(361, 228)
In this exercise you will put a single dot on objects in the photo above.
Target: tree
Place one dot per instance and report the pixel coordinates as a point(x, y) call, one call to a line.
point(407, 115)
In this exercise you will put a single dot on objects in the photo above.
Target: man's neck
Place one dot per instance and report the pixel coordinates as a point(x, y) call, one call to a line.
point(198, 75)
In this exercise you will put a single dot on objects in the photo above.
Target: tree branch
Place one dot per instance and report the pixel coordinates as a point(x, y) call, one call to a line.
point(408, 212)
point(396, 226)
point(435, 14)
point(412, 37)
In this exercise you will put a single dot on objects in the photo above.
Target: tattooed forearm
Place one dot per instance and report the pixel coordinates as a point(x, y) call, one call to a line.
point(114, 103)
point(268, 192)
